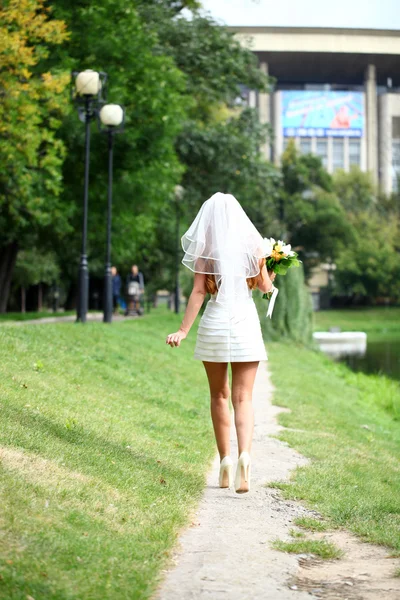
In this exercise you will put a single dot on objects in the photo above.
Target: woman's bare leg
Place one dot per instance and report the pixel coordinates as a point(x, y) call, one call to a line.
point(243, 376)
point(217, 374)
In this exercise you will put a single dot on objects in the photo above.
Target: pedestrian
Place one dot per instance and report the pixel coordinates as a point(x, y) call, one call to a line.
point(135, 289)
point(227, 255)
point(116, 288)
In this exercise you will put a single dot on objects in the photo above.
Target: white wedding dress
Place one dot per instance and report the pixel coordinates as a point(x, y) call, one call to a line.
point(230, 334)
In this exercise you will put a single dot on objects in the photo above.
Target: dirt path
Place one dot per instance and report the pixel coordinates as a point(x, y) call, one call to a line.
point(226, 553)
point(91, 317)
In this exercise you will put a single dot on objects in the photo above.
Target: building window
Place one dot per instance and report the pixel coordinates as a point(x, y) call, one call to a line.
point(354, 152)
point(322, 151)
point(337, 153)
point(395, 165)
point(305, 145)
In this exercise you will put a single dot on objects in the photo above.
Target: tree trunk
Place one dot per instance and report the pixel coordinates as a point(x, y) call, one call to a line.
point(23, 299)
point(8, 256)
point(40, 297)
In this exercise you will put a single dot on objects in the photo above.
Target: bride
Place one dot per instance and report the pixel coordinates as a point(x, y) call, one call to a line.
point(225, 251)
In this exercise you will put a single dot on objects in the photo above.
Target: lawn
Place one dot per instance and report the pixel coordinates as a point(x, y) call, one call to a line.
point(377, 320)
point(28, 316)
point(105, 439)
point(348, 424)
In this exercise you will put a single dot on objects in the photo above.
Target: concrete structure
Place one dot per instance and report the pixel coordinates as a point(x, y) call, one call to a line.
point(365, 63)
point(341, 343)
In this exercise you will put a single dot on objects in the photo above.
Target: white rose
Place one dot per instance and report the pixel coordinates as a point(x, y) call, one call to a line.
point(268, 246)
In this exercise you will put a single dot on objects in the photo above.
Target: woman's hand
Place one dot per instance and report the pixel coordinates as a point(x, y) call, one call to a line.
point(174, 339)
point(271, 275)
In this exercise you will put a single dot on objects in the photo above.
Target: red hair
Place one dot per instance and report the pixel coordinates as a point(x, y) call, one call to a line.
point(252, 282)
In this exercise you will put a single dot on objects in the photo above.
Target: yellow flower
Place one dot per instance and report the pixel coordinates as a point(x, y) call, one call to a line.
point(276, 255)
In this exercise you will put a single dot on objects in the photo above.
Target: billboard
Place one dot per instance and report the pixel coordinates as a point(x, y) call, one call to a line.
point(322, 114)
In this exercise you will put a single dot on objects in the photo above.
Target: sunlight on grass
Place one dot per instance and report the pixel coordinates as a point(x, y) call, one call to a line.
point(310, 524)
point(321, 548)
point(379, 320)
point(105, 439)
point(353, 478)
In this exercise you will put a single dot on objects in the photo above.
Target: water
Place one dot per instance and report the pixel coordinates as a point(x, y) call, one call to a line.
point(382, 356)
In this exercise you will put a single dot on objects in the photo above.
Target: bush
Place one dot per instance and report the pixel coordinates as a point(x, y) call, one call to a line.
point(292, 316)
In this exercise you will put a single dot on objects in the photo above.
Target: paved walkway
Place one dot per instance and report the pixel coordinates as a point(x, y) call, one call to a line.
point(91, 316)
point(226, 554)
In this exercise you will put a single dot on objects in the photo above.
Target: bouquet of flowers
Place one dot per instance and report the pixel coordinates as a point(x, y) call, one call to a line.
point(279, 258)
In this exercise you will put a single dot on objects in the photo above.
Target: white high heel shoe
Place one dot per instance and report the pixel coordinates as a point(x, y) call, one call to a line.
point(226, 472)
point(242, 479)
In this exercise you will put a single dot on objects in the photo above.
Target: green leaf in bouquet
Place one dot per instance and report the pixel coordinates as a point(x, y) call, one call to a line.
point(270, 264)
point(281, 269)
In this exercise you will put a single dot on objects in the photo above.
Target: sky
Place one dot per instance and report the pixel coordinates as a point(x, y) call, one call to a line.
point(359, 14)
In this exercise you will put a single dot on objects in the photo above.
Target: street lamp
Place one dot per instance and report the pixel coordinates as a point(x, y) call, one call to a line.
point(179, 191)
point(111, 121)
point(86, 91)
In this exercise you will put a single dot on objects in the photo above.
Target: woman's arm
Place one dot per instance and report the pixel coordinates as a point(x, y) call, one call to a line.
point(265, 280)
point(192, 310)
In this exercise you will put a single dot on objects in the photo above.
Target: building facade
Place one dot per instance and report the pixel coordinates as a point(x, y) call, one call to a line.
point(336, 92)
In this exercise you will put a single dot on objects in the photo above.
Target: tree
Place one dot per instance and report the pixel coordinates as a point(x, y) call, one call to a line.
point(216, 65)
point(368, 267)
point(317, 224)
point(356, 190)
point(35, 268)
point(301, 172)
point(226, 157)
point(32, 105)
point(146, 167)
point(173, 76)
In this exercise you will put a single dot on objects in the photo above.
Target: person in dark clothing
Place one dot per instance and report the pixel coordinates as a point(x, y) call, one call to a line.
point(135, 287)
point(116, 288)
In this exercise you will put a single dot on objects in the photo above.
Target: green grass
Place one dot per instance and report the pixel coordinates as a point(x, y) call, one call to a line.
point(371, 320)
point(297, 534)
point(349, 425)
point(105, 439)
point(310, 524)
point(28, 316)
point(321, 548)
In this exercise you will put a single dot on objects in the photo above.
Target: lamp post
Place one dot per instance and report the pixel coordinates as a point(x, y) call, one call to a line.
point(87, 87)
point(111, 121)
point(179, 191)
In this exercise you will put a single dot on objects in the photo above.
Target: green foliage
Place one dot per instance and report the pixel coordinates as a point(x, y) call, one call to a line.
point(33, 267)
point(225, 156)
point(33, 104)
point(292, 316)
point(316, 222)
point(181, 82)
point(153, 91)
point(303, 171)
point(369, 265)
point(215, 62)
point(355, 189)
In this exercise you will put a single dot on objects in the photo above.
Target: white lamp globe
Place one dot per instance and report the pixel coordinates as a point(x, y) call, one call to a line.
point(88, 83)
point(111, 115)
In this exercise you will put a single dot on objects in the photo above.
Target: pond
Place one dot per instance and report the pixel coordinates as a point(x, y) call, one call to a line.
point(382, 356)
